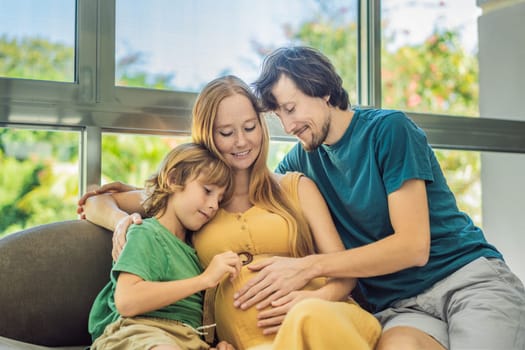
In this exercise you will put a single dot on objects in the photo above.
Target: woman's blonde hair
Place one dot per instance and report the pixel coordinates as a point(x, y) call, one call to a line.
point(264, 191)
point(184, 163)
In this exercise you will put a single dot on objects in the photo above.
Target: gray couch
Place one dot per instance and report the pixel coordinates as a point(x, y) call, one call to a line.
point(49, 277)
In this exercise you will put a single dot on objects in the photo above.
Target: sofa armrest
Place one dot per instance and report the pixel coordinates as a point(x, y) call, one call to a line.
point(49, 277)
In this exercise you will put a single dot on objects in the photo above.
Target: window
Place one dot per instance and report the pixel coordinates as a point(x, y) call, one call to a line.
point(39, 180)
point(132, 158)
point(37, 40)
point(429, 56)
point(139, 65)
point(181, 45)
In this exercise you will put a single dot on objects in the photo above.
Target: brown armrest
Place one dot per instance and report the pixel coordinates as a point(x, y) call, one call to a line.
point(49, 277)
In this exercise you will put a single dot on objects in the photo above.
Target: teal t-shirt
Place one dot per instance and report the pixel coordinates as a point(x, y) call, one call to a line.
point(380, 150)
point(154, 254)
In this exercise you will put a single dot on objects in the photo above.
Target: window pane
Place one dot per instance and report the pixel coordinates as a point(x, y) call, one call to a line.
point(429, 56)
point(37, 39)
point(39, 179)
point(181, 45)
point(462, 170)
point(132, 158)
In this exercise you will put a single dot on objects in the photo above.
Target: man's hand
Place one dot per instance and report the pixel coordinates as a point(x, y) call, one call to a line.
point(277, 277)
point(119, 235)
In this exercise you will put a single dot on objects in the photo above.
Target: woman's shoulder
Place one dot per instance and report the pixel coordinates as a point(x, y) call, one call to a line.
point(294, 181)
point(287, 178)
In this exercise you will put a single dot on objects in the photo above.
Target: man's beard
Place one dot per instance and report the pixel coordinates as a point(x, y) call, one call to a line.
point(317, 139)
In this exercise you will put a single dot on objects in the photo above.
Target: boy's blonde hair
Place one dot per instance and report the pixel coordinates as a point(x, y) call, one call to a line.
point(182, 164)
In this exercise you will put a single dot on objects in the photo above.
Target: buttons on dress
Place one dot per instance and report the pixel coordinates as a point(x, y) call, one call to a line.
point(246, 257)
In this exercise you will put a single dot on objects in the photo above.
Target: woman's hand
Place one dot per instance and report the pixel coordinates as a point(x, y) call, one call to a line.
point(119, 235)
point(223, 345)
point(107, 188)
point(272, 318)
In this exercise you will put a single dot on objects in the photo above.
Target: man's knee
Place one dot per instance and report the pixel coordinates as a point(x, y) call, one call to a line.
point(407, 338)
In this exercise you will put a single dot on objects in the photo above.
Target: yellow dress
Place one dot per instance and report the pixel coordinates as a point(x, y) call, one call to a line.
point(262, 234)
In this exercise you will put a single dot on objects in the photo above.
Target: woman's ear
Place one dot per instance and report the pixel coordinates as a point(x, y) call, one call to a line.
point(172, 187)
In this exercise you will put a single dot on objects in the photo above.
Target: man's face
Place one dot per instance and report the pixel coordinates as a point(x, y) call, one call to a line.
point(305, 117)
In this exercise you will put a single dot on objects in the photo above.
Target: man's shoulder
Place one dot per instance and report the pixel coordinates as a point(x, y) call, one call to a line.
point(383, 120)
point(376, 114)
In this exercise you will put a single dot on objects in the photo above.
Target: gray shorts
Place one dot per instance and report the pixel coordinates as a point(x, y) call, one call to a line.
point(480, 306)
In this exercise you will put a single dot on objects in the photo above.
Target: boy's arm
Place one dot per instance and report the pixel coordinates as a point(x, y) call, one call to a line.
point(135, 296)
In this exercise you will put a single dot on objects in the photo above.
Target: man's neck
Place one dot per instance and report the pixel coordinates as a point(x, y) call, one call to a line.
point(339, 123)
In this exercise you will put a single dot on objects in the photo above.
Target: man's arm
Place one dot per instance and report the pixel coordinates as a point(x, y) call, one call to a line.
point(326, 240)
point(407, 247)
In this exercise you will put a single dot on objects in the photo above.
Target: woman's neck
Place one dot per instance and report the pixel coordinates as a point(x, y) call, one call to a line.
point(240, 201)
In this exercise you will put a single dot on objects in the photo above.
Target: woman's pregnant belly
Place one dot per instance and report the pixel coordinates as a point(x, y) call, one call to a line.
point(239, 327)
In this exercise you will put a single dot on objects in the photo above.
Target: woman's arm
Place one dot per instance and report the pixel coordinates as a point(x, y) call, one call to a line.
point(325, 234)
point(108, 209)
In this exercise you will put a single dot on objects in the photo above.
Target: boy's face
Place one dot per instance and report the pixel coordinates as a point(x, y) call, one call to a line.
point(305, 117)
point(196, 204)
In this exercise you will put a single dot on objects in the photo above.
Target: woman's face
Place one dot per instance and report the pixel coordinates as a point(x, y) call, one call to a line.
point(237, 132)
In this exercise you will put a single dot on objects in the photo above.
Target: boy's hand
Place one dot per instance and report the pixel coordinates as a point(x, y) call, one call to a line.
point(221, 264)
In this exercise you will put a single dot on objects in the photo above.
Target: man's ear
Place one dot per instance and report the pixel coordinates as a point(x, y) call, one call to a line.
point(326, 98)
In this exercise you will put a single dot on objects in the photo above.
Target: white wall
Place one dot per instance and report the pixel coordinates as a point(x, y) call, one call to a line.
point(502, 95)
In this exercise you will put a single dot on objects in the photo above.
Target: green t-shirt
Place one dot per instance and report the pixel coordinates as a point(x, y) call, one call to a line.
point(154, 254)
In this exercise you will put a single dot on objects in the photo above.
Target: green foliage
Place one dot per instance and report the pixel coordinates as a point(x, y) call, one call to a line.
point(133, 158)
point(128, 74)
point(436, 76)
point(39, 178)
point(35, 58)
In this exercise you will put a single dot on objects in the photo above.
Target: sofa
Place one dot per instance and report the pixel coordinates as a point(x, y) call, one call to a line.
point(49, 277)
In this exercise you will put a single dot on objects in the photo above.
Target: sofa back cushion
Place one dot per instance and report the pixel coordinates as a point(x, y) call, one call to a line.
point(49, 277)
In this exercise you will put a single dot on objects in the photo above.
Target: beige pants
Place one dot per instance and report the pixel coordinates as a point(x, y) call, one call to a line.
point(143, 333)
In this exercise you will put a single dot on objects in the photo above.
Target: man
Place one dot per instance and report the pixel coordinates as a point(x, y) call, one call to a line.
point(423, 266)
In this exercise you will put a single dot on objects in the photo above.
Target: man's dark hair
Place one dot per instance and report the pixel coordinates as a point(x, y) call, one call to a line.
point(310, 70)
